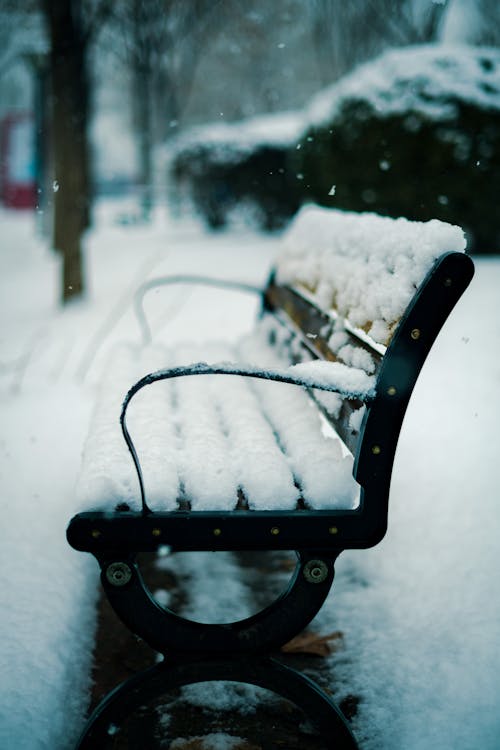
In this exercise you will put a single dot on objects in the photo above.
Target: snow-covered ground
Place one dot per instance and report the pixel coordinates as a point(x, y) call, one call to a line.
point(420, 613)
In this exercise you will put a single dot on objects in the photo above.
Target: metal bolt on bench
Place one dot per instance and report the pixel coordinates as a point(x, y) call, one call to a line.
point(241, 650)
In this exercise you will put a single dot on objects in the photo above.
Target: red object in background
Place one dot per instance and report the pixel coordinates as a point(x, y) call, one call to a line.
point(17, 161)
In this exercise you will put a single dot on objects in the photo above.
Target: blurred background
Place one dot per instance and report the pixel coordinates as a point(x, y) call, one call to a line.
point(245, 111)
point(141, 138)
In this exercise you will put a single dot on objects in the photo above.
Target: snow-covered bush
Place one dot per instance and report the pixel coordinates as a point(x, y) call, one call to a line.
point(224, 169)
point(416, 133)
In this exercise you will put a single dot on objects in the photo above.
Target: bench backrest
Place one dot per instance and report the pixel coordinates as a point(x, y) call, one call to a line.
point(372, 293)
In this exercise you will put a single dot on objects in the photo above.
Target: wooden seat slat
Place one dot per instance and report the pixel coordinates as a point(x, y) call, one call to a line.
point(323, 474)
point(318, 325)
point(316, 332)
point(266, 478)
point(204, 456)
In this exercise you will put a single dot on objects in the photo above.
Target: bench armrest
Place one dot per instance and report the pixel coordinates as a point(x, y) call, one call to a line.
point(329, 376)
point(182, 279)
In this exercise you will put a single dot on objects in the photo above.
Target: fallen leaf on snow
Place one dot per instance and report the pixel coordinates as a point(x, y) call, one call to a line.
point(313, 643)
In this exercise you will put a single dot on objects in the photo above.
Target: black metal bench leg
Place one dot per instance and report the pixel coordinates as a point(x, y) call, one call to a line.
point(235, 651)
point(263, 632)
point(265, 672)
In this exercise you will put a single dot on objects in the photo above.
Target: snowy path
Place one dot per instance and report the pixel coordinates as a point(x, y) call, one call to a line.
point(420, 613)
point(49, 365)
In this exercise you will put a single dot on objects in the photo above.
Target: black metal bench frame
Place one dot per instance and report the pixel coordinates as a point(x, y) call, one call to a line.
point(240, 651)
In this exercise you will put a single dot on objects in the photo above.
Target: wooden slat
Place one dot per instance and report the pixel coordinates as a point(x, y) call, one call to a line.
point(316, 325)
point(311, 330)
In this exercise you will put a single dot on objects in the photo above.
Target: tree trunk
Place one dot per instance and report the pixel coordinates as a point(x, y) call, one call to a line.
point(142, 98)
point(70, 100)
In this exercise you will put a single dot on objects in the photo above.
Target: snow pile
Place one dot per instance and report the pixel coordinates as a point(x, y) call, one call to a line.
point(48, 592)
point(421, 611)
point(426, 79)
point(365, 266)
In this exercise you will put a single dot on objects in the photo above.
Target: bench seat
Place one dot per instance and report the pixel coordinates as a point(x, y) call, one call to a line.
point(223, 442)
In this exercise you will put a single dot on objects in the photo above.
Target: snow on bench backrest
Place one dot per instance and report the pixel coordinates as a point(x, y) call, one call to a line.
point(366, 267)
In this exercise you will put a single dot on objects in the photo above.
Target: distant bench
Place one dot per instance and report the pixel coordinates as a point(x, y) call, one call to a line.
point(285, 440)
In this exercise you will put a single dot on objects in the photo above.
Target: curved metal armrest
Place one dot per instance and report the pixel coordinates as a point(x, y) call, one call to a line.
point(202, 368)
point(181, 279)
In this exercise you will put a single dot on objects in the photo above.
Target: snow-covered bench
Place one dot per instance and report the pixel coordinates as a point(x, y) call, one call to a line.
point(285, 440)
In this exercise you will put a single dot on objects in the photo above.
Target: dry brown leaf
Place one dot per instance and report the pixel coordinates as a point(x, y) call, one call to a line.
point(313, 643)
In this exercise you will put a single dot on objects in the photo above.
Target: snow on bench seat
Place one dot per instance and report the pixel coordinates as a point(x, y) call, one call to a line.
point(214, 442)
point(365, 266)
point(256, 464)
point(317, 462)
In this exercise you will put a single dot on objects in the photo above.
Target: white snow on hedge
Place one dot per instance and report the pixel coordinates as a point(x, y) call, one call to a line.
point(226, 141)
point(425, 79)
point(365, 266)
